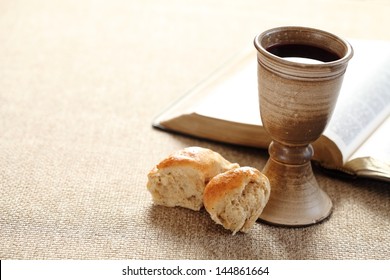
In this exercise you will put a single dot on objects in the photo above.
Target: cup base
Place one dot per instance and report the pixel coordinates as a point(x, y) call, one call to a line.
point(296, 198)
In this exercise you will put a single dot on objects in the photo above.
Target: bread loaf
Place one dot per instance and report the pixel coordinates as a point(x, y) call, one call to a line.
point(236, 198)
point(180, 179)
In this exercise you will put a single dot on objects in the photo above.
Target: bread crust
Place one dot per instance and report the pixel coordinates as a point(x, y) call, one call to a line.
point(180, 179)
point(204, 160)
point(236, 198)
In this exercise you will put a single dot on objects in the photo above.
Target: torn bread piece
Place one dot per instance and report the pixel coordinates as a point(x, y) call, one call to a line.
point(235, 199)
point(180, 179)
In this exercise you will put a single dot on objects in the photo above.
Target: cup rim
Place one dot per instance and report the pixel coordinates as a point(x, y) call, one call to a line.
point(317, 34)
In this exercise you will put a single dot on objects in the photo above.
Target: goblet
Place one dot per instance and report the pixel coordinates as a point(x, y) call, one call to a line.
point(300, 72)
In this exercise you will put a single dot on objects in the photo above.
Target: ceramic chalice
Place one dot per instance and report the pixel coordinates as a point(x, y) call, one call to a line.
point(300, 72)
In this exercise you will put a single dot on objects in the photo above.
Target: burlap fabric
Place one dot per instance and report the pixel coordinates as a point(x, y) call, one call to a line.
point(80, 82)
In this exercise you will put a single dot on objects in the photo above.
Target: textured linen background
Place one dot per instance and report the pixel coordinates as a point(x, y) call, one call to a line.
point(80, 82)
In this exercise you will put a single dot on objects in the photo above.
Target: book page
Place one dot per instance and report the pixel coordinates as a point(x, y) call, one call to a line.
point(377, 146)
point(364, 101)
point(235, 98)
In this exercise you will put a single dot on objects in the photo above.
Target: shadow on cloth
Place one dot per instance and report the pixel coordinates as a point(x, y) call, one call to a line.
point(191, 231)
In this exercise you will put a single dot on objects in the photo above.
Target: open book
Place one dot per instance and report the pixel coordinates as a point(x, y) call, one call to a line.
point(225, 108)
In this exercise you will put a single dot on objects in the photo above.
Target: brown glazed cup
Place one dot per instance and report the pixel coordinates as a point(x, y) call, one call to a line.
point(300, 73)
